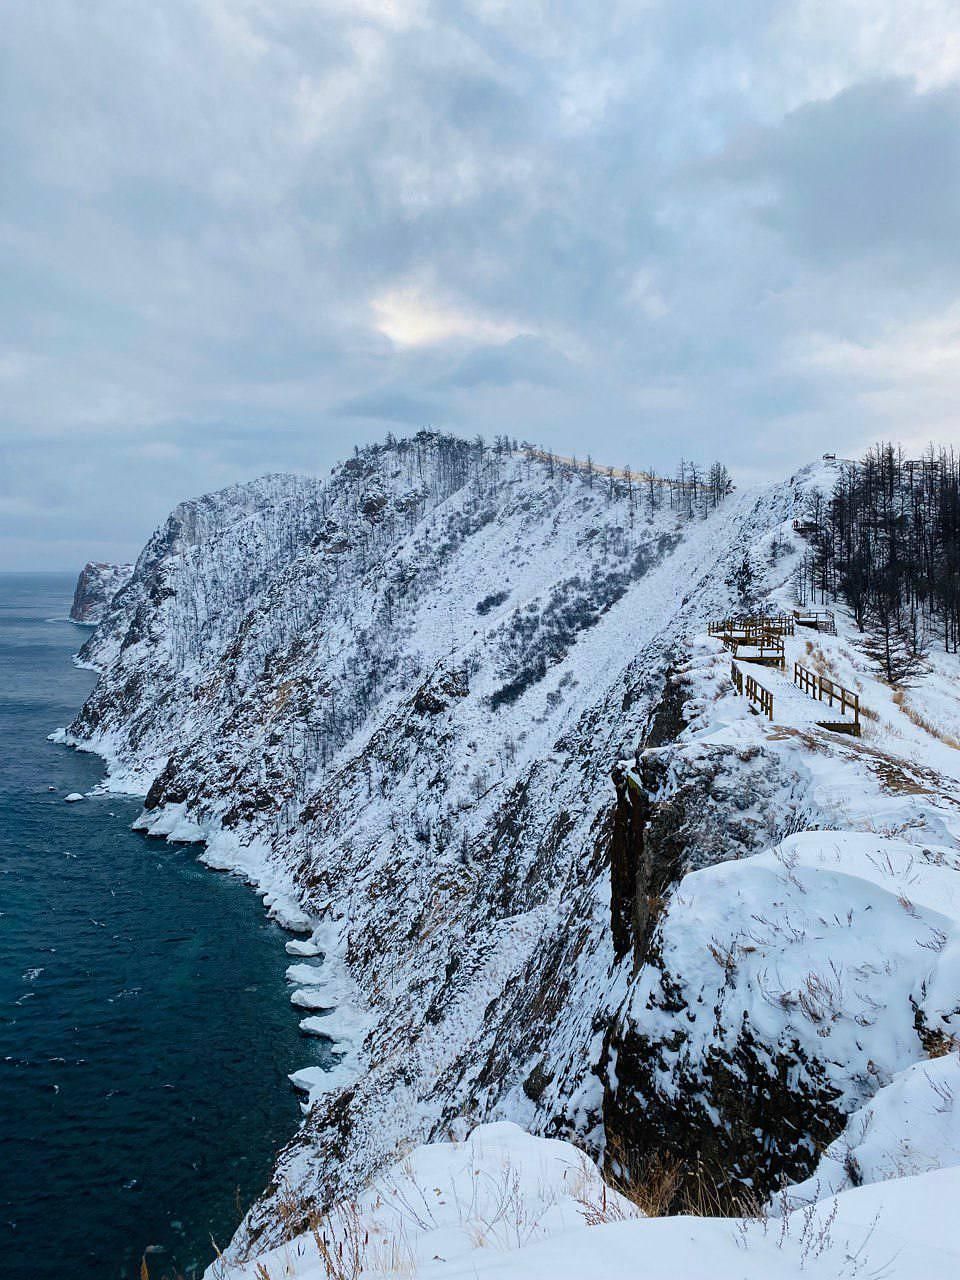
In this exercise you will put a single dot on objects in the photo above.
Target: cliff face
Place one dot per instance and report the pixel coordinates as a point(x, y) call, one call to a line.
point(96, 586)
point(394, 698)
point(785, 901)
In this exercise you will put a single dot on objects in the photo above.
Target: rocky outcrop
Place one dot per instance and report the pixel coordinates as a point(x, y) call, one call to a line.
point(681, 807)
point(96, 586)
point(772, 986)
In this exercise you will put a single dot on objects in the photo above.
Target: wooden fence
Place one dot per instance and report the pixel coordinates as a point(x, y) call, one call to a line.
point(805, 680)
point(766, 647)
point(736, 675)
point(820, 619)
point(741, 624)
point(826, 690)
point(849, 701)
point(761, 696)
point(782, 624)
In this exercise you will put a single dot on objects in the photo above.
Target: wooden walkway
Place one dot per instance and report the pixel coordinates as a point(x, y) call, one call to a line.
point(755, 639)
point(760, 641)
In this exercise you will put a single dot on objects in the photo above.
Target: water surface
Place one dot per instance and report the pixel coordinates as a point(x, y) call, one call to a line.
point(145, 1026)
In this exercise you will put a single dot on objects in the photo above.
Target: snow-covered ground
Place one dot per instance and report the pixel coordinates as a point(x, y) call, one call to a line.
point(507, 1205)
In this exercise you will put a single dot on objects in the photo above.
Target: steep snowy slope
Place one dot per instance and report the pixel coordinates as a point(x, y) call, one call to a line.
point(394, 700)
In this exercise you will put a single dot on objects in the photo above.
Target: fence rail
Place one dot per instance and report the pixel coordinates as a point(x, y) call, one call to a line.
point(761, 696)
point(820, 619)
point(849, 701)
point(741, 624)
point(766, 646)
point(805, 680)
point(826, 690)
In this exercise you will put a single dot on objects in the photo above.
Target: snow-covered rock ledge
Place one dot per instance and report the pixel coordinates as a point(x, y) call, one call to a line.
point(122, 777)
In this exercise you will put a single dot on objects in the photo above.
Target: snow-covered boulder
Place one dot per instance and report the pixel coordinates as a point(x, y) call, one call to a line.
point(910, 1126)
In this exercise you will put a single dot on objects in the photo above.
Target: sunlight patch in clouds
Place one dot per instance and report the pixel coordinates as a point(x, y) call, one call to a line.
point(410, 317)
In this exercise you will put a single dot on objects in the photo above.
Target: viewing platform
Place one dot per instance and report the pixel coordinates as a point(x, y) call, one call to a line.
point(809, 699)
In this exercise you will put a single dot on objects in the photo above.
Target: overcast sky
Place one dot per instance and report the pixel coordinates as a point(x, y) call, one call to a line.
point(240, 236)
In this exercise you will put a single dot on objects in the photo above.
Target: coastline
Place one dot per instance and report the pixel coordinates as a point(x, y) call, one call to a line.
point(326, 999)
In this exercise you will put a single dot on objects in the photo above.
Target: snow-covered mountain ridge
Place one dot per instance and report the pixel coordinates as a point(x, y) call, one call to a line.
point(395, 698)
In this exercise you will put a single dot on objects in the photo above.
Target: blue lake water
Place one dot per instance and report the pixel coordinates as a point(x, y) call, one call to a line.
point(145, 1025)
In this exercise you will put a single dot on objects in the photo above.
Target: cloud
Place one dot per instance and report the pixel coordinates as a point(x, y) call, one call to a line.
point(392, 407)
point(873, 170)
point(241, 235)
point(522, 359)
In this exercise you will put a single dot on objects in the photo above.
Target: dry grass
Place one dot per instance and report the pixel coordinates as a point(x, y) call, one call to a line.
point(938, 1043)
point(596, 1203)
point(661, 1184)
point(921, 721)
point(343, 1251)
point(653, 1184)
point(894, 779)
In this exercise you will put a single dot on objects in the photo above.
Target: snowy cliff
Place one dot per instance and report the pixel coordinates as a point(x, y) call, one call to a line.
point(395, 698)
point(96, 586)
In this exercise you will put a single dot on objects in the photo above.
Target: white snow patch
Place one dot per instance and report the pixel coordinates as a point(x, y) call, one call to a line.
point(508, 1205)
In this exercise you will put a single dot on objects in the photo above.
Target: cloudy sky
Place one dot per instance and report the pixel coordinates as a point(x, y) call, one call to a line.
point(239, 236)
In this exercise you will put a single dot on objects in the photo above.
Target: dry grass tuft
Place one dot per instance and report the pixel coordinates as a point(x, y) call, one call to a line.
point(938, 1043)
point(661, 1184)
point(921, 721)
point(343, 1251)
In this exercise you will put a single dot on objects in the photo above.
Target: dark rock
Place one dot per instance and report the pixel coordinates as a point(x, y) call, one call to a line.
point(96, 586)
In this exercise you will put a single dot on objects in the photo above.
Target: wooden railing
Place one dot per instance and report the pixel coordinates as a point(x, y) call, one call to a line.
point(784, 624)
point(761, 696)
point(763, 636)
point(805, 680)
point(736, 675)
point(849, 701)
point(767, 645)
point(781, 624)
point(822, 619)
point(826, 690)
